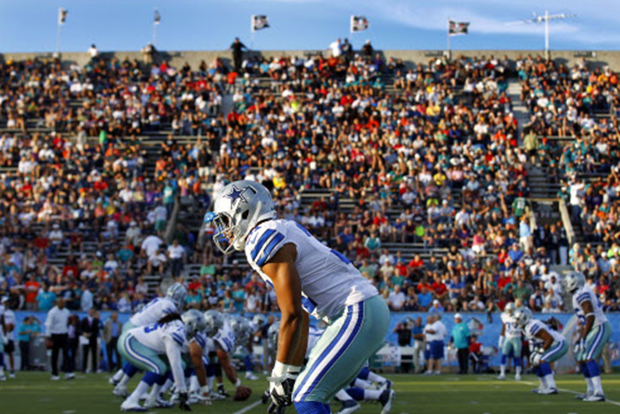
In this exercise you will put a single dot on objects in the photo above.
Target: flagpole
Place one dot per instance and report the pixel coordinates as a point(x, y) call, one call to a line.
point(58, 35)
point(252, 32)
point(449, 37)
point(155, 28)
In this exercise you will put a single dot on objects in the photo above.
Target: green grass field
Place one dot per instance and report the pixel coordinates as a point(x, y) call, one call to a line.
point(33, 393)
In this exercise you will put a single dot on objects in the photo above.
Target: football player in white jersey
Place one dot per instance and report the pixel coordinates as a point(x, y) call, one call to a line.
point(547, 346)
point(510, 342)
point(150, 314)
point(306, 275)
point(144, 347)
point(595, 331)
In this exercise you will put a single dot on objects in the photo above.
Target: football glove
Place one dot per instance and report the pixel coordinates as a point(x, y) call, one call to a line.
point(281, 390)
point(536, 357)
point(183, 404)
point(580, 348)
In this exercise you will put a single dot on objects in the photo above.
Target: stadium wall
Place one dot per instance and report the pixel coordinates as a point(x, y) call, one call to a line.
point(410, 57)
point(488, 328)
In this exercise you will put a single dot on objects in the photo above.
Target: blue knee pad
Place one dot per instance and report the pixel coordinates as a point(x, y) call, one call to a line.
point(504, 359)
point(211, 370)
point(545, 369)
point(151, 378)
point(356, 393)
point(248, 364)
point(537, 371)
point(129, 369)
point(364, 373)
point(593, 369)
point(312, 407)
point(162, 379)
point(517, 361)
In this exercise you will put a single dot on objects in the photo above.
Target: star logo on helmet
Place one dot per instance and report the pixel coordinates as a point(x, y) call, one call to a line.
point(237, 194)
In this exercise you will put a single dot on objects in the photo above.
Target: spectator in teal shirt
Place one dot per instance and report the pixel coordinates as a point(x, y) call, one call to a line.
point(25, 332)
point(460, 338)
point(46, 299)
point(194, 298)
point(238, 295)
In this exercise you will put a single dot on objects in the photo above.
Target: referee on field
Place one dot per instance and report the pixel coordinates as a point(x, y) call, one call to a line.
point(56, 331)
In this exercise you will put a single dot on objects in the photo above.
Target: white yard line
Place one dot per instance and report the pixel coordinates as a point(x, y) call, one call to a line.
point(572, 392)
point(249, 407)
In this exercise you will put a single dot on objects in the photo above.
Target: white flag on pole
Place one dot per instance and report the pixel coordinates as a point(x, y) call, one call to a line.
point(259, 22)
point(62, 15)
point(156, 17)
point(359, 23)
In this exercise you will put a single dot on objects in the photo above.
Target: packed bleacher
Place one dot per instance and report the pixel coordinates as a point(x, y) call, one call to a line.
point(415, 174)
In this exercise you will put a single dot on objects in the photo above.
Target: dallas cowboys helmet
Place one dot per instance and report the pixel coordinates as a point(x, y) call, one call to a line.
point(214, 322)
point(523, 316)
point(259, 320)
point(272, 335)
point(194, 322)
point(238, 208)
point(241, 328)
point(574, 281)
point(510, 308)
point(177, 294)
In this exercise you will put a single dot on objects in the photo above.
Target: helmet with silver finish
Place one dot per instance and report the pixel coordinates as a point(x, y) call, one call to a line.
point(259, 320)
point(237, 209)
point(510, 308)
point(272, 335)
point(177, 294)
point(194, 322)
point(523, 316)
point(573, 281)
point(214, 322)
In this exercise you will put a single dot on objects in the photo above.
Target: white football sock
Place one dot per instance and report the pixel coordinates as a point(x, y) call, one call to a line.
point(376, 378)
point(166, 386)
point(124, 381)
point(543, 383)
point(142, 388)
point(154, 394)
point(518, 371)
point(550, 381)
point(119, 374)
point(597, 385)
point(194, 386)
point(502, 369)
point(360, 383)
point(590, 384)
point(210, 381)
point(342, 396)
point(372, 394)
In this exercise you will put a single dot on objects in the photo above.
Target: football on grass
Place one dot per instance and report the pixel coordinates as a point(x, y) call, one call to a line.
point(243, 393)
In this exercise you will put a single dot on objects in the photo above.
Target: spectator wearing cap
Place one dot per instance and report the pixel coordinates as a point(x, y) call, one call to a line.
point(460, 338)
point(436, 309)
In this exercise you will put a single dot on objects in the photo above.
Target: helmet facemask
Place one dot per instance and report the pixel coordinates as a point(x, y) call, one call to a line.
point(231, 231)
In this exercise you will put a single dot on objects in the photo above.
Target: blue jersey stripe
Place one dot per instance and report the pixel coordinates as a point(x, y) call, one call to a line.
point(259, 244)
point(266, 255)
point(302, 228)
point(177, 338)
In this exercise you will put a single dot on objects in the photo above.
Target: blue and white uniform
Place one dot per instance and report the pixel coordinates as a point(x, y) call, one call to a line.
point(512, 333)
point(225, 338)
point(144, 347)
point(557, 350)
point(601, 329)
point(333, 290)
point(151, 313)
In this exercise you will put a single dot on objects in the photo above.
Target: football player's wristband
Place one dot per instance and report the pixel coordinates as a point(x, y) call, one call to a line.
point(280, 369)
point(238, 383)
point(205, 389)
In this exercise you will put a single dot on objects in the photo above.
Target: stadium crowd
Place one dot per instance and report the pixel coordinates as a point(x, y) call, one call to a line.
point(429, 157)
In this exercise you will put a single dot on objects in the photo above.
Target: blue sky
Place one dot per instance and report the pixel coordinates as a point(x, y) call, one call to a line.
point(30, 25)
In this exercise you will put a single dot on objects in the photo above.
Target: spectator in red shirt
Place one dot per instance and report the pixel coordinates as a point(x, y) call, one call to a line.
point(439, 287)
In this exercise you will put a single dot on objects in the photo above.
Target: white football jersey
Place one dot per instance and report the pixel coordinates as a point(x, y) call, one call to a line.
point(313, 337)
point(225, 338)
point(153, 335)
point(586, 294)
point(9, 317)
point(329, 282)
point(534, 326)
point(153, 312)
point(512, 330)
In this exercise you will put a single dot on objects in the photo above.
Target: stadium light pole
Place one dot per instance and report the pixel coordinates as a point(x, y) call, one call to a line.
point(546, 18)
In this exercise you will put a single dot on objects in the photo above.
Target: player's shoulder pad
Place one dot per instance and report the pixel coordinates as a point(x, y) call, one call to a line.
point(265, 241)
point(176, 331)
point(583, 295)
